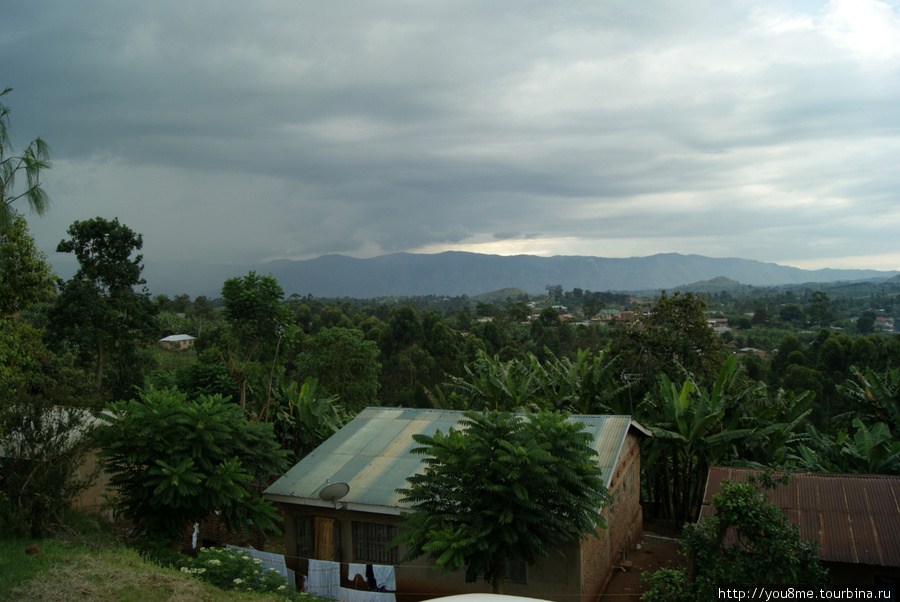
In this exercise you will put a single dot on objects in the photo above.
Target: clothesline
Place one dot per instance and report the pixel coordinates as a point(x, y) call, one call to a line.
point(404, 565)
point(324, 579)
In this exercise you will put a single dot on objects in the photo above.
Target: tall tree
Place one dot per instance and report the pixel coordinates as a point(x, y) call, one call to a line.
point(501, 489)
point(98, 311)
point(257, 323)
point(674, 337)
point(30, 163)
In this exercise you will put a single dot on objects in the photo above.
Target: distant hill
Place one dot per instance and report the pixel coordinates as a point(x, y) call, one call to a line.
point(717, 284)
point(457, 273)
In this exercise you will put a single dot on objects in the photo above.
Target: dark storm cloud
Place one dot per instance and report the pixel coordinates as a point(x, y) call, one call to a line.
point(227, 131)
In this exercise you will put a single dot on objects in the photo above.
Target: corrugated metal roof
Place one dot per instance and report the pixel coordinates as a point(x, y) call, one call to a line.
point(372, 454)
point(854, 517)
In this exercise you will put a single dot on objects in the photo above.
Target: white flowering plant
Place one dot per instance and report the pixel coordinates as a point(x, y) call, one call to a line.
point(232, 569)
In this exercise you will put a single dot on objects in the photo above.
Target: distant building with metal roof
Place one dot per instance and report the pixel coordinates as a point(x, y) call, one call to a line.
point(854, 517)
point(178, 341)
point(372, 455)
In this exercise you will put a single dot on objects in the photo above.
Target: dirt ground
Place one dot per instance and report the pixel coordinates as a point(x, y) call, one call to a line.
point(658, 549)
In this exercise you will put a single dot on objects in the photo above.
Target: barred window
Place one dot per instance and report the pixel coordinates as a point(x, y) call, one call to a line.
point(304, 527)
point(515, 571)
point(370, 542)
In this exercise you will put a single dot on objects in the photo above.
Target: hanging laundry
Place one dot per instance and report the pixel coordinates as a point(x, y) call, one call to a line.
point(356, 569)
point(384, 577)
point(324, 578)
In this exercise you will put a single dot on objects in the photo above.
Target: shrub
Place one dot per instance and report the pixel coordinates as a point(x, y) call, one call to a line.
point(231, 569)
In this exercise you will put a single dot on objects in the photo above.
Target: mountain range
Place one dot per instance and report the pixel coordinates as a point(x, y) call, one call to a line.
point(459, 273)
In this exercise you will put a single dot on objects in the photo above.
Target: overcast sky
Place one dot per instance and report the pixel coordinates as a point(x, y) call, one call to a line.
point(238, 132)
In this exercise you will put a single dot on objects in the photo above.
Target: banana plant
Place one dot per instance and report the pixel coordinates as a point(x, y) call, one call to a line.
point(867, 451)
point(693, 431)
point(588, 385)
point(307, 416)
point(878, 395)
point(500, 386)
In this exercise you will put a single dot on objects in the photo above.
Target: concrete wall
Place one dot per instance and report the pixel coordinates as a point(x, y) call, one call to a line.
point(91, 499)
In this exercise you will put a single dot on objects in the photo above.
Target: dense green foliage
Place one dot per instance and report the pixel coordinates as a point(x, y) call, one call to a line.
point(98, 314)
point(673, 337)
point(307, 417)
point(502, 488)
point(25, 277)
point(766, 549)
point(345, 365)
point(174, 460)
point(45, 432)
point(256, 322)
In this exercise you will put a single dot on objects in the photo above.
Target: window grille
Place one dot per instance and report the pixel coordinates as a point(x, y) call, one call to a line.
point(515, 571)
point(305, 541)
point(370, 543)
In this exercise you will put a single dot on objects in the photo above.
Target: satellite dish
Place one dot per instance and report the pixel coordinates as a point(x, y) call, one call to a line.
point(334, 491)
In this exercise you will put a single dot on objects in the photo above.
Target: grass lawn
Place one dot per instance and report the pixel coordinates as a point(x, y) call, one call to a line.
point(107, 572)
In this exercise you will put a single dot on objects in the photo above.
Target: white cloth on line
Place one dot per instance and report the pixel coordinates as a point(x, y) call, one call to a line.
point(324, 578)
point(384, 576)
point(356, 569)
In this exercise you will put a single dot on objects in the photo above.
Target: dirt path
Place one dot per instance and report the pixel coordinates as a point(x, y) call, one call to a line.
point(658, 549)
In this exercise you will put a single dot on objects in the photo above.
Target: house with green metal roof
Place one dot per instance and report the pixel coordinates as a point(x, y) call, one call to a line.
point(341, 505)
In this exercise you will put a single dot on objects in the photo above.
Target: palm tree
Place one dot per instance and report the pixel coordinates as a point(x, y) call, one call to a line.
point(34, 159)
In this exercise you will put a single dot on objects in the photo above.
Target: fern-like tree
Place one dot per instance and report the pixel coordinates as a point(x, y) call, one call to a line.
point(174, 460)
point(29, 163)
point(503, 488)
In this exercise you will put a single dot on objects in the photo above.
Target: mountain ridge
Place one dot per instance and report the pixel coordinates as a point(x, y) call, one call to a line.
point(454, 273)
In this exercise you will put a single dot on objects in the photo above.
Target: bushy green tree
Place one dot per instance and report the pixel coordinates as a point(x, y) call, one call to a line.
point(492, 384)
point(767, 549)
point(502, 488)
point(344, 363)
point(674, 337)
point(45, 432)
point(173, 460)
point(25, 277)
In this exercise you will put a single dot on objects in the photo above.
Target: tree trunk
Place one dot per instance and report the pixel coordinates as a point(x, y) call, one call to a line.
point(498, 575)
point(101, 351)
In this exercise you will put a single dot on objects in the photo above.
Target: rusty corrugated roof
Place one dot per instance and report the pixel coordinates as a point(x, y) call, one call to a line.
point(372, 454)
point(854, 517)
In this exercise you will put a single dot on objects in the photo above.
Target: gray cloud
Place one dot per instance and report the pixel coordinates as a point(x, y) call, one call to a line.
point(231, 132)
